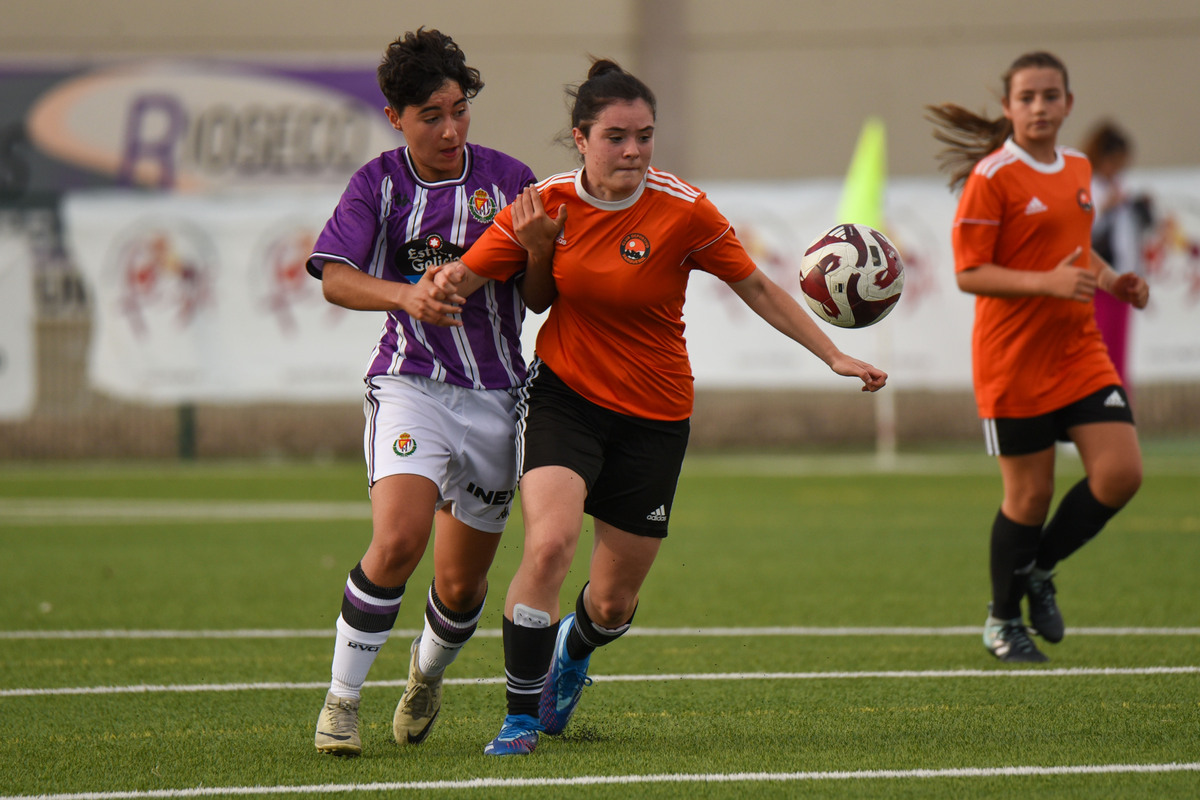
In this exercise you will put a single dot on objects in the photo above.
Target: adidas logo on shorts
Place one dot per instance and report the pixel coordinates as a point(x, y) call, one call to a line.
point(658, 515)
point(1114, 400)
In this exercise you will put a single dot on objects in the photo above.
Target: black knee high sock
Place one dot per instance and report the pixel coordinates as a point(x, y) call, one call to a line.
point(375, 616)
point(527, 654)
point(585, 636)
point(455, 627)
point(1079, 517)
point(1014, 548)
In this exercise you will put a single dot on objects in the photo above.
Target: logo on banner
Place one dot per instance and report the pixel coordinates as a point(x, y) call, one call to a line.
point(279, 279)
point(1172, 262)
point(192, 126)
point(772, 244)
point(482, 206)
point(165, 273)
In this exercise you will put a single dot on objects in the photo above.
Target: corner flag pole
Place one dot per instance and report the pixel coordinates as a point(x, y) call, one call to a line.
point(862, 204)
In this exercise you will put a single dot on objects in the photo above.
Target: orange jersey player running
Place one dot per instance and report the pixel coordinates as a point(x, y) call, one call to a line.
point(605, 424)
point(1022, 245)
point(615, 330)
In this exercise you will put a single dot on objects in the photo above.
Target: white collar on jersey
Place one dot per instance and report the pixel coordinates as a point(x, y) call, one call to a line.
point(462, 177)
point(607, 205)
point(1023, 155)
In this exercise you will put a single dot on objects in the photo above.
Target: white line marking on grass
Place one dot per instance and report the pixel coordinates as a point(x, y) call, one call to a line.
point(199, 634)
point(958, 630)
point(618, 780)
point(100, 511)
point(494, 633)
point(1066, 672)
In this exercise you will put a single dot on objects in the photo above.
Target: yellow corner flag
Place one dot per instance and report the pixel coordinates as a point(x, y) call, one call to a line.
point(862, 194)
point(862, 204)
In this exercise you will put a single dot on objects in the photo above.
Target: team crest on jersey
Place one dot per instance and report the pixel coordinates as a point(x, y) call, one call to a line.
point(405, 445)
point(635, 248)
point(482, 206)
point(1085, 200)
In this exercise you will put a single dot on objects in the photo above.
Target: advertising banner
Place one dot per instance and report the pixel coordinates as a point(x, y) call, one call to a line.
point(206, 298)
point(186, 126)
point(199, 298)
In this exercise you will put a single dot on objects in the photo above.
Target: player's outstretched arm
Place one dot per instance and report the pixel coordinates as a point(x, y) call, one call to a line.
point(345, 286)
point(767, 299)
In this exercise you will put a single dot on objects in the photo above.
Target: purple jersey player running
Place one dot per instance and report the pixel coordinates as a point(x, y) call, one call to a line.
point(442, 380)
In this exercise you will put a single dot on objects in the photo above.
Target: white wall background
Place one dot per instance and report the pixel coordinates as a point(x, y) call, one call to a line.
point(755, 89)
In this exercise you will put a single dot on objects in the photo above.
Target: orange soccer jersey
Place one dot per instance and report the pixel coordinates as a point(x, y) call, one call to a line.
point(615, 331)
point(1031, 355)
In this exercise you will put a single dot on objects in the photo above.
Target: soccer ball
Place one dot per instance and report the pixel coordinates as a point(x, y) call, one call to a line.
point(851, 276)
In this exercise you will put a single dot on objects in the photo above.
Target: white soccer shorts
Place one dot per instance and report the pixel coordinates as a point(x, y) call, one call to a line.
point(459, 438)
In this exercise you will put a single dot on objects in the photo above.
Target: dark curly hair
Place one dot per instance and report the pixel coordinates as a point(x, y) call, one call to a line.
point(418, 63)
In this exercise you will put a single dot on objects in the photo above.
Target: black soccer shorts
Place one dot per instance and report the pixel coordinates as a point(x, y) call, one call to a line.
point(630, 465)
point(1018, 436)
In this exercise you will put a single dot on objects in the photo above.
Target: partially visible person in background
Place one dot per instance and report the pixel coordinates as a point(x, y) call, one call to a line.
point(1117, 233)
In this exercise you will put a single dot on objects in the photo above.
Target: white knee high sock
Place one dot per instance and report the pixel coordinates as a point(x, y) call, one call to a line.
point(353, 655)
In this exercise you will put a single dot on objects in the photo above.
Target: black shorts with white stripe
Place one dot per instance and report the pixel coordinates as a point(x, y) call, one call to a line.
point(1018, 436)
point(630, 465)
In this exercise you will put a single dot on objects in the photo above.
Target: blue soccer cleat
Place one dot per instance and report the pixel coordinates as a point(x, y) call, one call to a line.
point(564, 683)
point(517, 737)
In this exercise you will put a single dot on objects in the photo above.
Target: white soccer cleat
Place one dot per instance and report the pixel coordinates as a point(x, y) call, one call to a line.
point(337, 727)
point(419, 706)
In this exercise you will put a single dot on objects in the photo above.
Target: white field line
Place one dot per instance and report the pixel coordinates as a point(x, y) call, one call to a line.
point(494, 633)
point(1067, 672)
point(85, 510)
point(629, 780)
point(67, 511)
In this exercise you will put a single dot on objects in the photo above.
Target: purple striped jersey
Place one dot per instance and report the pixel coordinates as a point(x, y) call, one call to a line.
point(391, 224)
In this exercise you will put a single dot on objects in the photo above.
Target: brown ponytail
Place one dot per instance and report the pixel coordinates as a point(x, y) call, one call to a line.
point(970, 136)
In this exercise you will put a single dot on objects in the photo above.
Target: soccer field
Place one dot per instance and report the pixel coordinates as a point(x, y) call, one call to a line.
point(811, 628)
